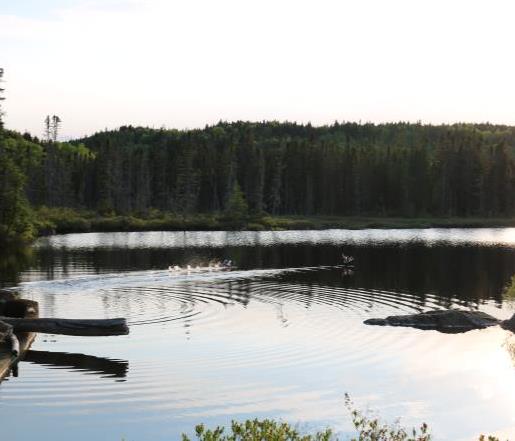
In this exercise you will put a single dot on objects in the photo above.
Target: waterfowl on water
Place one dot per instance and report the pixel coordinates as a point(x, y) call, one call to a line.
point(347, 260)
point(225, 264)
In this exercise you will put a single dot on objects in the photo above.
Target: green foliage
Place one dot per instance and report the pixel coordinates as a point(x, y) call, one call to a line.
point(237, 208)
point(509, 290)
point(366, 170)
point(256, 430)
point(17, 157)
point(13, 260)
point(232, 174)
point(75, 150)
point(61, 220)
point(367, 428)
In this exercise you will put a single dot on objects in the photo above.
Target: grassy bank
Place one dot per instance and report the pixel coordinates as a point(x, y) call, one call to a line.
point(355, 223)
point(66, 220)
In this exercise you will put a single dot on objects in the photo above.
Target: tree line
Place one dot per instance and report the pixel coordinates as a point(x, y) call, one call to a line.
point(344, 169)
point(279, 168)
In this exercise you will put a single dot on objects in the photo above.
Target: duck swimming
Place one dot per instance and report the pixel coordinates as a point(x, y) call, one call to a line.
point(347, 260)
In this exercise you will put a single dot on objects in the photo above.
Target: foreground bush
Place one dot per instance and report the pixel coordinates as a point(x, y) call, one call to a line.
point(255, 430)
point(367, 428)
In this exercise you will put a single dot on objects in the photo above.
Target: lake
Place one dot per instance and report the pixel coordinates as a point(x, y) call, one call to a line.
point(280, 336)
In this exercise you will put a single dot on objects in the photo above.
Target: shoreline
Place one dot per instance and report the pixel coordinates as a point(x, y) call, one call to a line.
point(65, 221)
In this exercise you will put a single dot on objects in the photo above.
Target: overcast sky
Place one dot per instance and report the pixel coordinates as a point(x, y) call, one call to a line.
point(102, 64)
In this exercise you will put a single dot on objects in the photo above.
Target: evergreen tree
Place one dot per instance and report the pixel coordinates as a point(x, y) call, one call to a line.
point(237, 208)
point(55, 125)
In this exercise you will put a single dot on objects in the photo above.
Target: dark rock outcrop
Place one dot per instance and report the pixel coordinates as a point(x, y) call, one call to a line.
point(449, 321)
point(509, 324)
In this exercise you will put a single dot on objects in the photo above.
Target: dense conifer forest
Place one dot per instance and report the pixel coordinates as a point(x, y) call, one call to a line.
point(348, 169)
point(255, 168)
point(286, 168)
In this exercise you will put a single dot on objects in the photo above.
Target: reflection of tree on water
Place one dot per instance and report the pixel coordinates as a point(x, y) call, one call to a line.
point(508, 295)
point(14, 260)
point(104, 367)
point(472, 274)
point(347, 272)
point(281, 315)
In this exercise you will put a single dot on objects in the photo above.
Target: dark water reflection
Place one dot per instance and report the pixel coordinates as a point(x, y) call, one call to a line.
point(13, 261)
point(469, 273)
point(280, 336)
point(103, 367)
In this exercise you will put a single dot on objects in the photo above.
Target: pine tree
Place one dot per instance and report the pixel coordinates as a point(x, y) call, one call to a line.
point(47, 132)
point(55, 126)
point(237, 208)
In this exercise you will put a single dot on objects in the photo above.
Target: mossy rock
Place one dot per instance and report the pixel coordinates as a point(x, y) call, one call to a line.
point(448, 321)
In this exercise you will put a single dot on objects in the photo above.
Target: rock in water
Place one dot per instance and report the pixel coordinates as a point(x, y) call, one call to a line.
point(509, 324)
point(449, 321)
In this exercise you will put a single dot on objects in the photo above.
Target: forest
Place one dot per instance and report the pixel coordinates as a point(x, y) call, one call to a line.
point(243, 170)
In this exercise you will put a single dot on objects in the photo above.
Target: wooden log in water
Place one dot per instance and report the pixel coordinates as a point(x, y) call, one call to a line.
point(82, 327)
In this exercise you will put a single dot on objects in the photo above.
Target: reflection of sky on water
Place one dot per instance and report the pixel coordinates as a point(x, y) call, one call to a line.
point(284, 343)
point(219, 239)
point(454, 382)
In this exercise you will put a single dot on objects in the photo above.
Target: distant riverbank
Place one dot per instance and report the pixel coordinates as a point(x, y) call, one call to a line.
point(65, 220)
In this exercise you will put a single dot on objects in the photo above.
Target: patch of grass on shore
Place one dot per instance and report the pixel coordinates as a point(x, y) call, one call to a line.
point(356, 222)
point(68, 220)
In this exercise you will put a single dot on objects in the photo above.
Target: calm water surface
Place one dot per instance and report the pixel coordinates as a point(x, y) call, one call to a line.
point(281, 336)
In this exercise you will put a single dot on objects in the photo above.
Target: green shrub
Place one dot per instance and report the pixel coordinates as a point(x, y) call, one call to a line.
point(254, 226)
point(367, 428)
point(255, 430)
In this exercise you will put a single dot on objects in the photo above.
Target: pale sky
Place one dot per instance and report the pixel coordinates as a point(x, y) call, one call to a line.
point(178, 64)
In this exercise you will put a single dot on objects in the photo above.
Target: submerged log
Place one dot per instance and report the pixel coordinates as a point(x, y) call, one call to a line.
point(82, 327)
point(448, 321)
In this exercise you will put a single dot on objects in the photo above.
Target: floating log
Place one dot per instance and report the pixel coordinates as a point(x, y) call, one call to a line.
point(82, 327)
